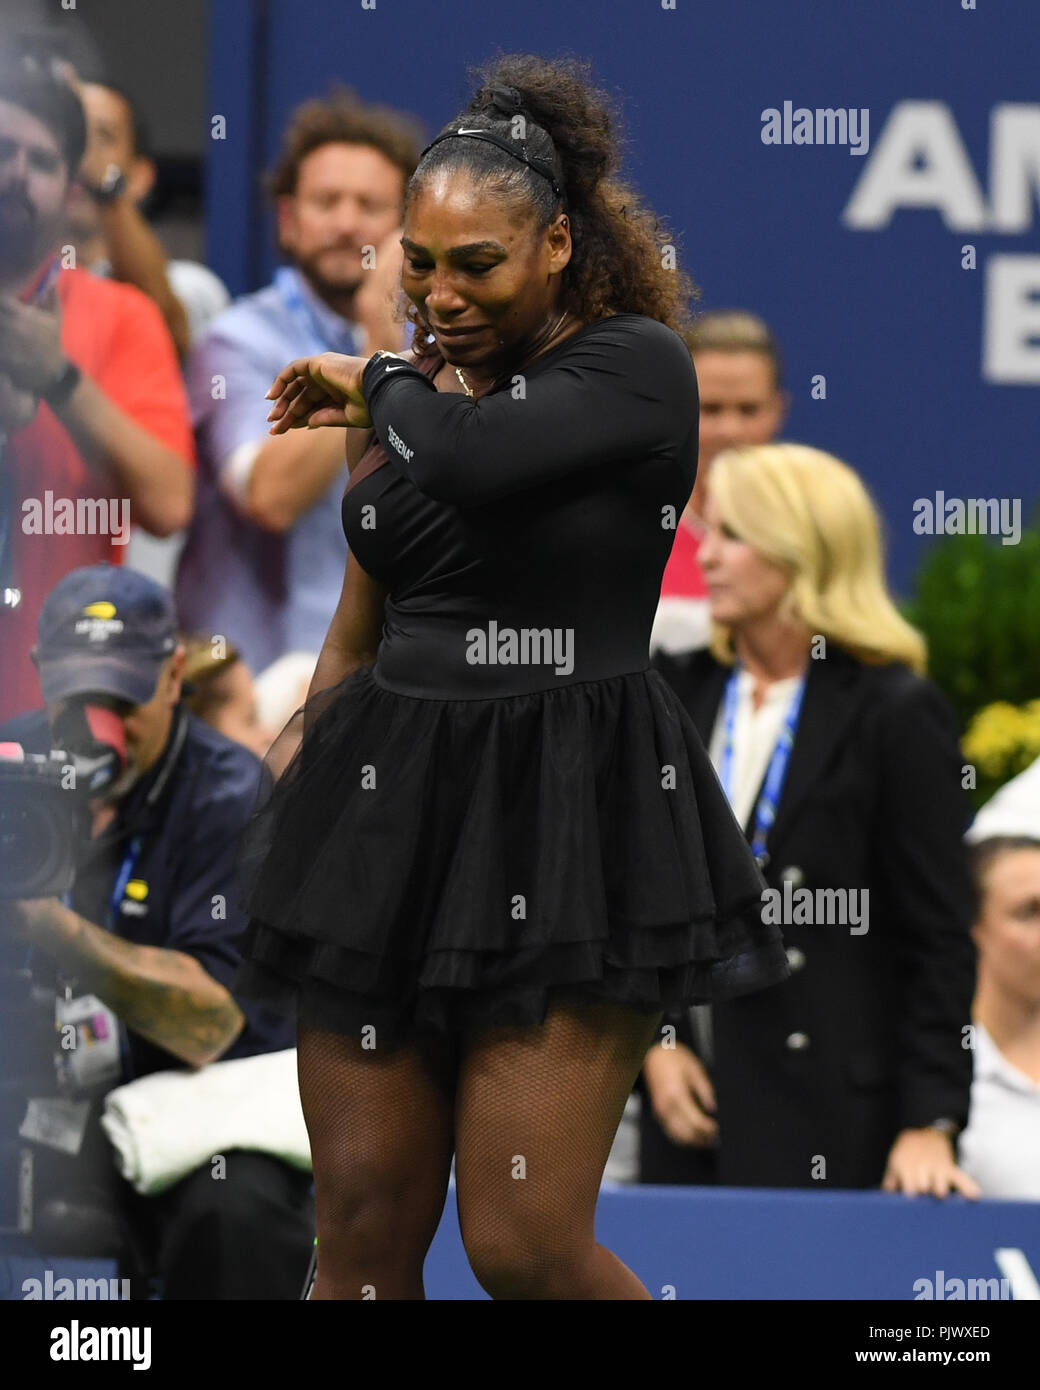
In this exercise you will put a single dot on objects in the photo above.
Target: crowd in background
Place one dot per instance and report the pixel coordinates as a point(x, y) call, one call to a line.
point(126, 376)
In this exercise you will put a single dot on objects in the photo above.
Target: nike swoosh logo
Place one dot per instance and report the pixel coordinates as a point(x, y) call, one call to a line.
point(397, 369)
point(471, 132)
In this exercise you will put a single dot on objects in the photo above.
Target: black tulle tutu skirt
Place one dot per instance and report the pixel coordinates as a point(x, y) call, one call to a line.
point(434, 866)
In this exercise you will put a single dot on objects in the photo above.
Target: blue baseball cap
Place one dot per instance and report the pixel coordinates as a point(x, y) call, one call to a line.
point(104, 629)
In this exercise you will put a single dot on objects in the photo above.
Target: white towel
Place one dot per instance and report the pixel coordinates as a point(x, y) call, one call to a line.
point(166, 1125)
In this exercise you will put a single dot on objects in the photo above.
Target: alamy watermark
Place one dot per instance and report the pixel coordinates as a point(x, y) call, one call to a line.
point(1018, 1281)
point(80, 1289)
point(523, 646)
point(77, 516)
point(823, 907)
point(943, 1288)
point(969, 516)
point(80, 1342)
point(829, 125)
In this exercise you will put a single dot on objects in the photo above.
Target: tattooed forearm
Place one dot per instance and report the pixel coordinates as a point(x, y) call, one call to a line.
point(165, 996)
point(194, 1016)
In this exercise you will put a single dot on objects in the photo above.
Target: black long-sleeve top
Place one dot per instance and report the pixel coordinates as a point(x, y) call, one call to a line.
point(522, 536)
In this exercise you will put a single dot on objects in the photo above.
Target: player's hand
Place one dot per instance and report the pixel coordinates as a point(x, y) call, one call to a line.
point(682, 1095)
point(322, 390)
point(923, 1161)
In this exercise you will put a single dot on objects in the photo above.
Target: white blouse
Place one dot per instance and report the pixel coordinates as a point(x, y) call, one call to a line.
point(755, 733)
point(1001, 1146)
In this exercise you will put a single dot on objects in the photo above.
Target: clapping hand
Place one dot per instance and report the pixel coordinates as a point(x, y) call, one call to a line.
point(30, 342)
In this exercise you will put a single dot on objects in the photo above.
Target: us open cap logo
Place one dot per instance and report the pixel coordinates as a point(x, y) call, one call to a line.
point(99, 621)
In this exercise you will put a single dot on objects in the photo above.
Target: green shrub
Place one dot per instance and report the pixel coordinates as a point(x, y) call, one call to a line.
point(977, 602)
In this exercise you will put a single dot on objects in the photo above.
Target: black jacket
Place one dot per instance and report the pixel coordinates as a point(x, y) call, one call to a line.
point(866, 1037)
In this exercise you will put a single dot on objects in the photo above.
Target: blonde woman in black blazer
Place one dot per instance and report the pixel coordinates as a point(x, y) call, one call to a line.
point(856, 1071)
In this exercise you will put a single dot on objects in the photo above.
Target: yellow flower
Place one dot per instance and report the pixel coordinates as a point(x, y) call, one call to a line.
point(1002, 738)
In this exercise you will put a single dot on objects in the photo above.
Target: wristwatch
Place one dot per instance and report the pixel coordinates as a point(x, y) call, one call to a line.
point(111, 187)
point(948, 1127)
point(62, 388)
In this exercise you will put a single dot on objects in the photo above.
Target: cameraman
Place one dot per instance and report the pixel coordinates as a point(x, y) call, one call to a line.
point(150, 930)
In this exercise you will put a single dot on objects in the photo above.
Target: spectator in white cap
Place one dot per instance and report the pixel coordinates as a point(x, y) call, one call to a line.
point(1014, 810)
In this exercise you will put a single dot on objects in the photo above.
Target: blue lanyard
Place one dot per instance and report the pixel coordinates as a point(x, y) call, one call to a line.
point(765, 811)
point(126, 869)
point(123, 877)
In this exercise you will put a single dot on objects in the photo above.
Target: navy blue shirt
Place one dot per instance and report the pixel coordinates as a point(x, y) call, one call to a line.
point(186, 814)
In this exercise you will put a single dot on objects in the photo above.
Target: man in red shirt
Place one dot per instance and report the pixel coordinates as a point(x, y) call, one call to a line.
point(742, 403)
point(94, 420)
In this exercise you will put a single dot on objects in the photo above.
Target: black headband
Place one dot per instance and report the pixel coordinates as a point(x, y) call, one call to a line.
point(510, 146)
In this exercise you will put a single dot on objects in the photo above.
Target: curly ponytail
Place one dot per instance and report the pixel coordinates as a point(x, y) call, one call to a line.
point(618, 263)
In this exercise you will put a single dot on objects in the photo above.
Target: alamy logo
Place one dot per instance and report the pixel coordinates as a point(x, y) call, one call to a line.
point(821, 907)
point(79, 1289)
point(969, 516)
point(524, 646)
point(77, 516)
point(823, 126)
point(79, 1342)
point(1017, 1282)
point(398, 443)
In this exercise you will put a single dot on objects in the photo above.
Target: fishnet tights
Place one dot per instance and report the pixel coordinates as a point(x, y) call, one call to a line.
point(531, 1114)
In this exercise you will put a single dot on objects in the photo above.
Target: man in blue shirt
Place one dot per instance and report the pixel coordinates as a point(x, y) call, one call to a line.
point(149, 932)
point(265, 555)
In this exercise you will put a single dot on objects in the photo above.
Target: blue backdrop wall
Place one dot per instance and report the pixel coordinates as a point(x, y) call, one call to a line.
point(902, 279)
